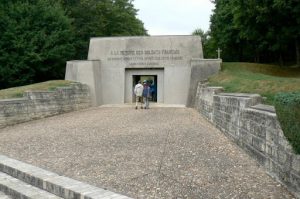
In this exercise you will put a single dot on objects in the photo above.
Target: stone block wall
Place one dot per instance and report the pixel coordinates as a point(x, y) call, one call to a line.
point(40, 104)
point(255, 128)
point(227, 110)
point(203, 99)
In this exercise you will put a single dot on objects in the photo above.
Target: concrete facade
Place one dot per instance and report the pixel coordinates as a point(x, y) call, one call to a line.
point(113, 61)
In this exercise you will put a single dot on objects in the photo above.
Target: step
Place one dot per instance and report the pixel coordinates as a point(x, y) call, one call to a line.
point(52, 182)
point(19, 189)
point(3, 196)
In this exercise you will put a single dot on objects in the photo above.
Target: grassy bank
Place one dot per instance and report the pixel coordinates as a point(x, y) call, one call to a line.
point(267, 80)
point(17, 92)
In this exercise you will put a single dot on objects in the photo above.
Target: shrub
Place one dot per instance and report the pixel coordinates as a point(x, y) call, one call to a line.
point(287, 107)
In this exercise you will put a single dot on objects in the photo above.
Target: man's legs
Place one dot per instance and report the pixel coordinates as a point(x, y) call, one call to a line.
point(141, 98)
point(136, 102)
point(146, 102)
point(137, 99)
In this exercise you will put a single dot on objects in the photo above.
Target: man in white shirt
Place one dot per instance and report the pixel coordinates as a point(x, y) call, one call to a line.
point(138, 91)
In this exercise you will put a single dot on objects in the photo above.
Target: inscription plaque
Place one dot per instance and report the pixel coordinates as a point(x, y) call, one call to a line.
point(145, 57)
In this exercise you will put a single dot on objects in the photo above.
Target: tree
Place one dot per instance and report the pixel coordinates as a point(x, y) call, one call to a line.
point(39, 36)
point(99, 18)
point(289, 26)
point(201, 33)
point(35, 42)
point(223, 31)
point(122, 21)
point(208, 43)
point(260, 31)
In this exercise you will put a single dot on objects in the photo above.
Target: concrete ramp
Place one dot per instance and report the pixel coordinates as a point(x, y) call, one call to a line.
point(152, 153)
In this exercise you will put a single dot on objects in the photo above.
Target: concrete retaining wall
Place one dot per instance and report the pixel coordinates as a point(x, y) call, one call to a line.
point(255, 128)
point(86, 72)
point(201, 69)
point(40, 104)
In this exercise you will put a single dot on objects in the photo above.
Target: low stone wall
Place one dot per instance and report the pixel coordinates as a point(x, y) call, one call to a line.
point(40, 104)
point(255, 128)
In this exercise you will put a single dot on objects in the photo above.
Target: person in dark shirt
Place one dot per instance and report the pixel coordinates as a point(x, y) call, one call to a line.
point(146, 94)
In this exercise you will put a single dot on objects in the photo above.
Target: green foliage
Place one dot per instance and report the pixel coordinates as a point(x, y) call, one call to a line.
point(208, 43)
point(287, 107)
point(259, 31)
point(35, 42)
point(267, 80)
point(94, 18)
point(17, 92)
point(39, 36)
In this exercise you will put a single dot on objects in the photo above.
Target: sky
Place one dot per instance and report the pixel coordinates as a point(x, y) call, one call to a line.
point(174, 17)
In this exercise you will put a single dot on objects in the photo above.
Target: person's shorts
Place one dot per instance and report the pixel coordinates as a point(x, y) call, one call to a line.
point(138, 98)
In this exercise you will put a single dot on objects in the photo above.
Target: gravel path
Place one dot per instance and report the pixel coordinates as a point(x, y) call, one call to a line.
point(155, 153)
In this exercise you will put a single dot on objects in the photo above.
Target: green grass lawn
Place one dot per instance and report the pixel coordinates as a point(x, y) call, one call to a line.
point(266, 80)
point(17, 92)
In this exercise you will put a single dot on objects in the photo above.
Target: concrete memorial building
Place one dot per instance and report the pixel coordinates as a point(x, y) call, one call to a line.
point(115, 64)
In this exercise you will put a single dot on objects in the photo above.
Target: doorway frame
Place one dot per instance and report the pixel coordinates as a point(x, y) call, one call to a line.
point(130, 72)
point(153, 79)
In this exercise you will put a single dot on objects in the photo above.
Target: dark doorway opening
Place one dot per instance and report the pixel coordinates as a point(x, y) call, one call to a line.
point(152, 81)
